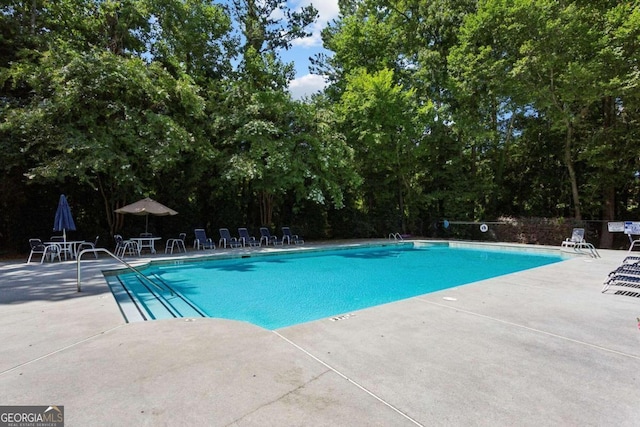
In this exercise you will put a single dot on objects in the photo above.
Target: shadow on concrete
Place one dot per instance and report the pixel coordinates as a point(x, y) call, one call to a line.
point(21, 282)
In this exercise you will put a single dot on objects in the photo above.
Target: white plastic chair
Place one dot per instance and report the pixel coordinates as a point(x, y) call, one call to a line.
point(89, 245)
point(124, 247)
point(64, 247)
point(37, 247)
point(177, 243)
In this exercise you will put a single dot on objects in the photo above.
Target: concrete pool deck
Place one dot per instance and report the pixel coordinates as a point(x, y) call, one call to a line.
point(538, 347)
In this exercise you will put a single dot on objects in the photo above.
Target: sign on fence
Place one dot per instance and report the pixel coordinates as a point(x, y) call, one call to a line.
point(631, 227)
point(616, 227)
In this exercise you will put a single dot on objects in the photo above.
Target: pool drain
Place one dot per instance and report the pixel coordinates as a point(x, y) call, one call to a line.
point(343, 317)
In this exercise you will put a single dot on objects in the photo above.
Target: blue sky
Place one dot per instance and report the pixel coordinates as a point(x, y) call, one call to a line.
point(305, 83)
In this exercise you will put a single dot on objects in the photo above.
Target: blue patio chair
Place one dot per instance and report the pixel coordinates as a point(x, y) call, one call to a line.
point(245, 239)
point(226, 239)
point(626, 275)
point(202, 241)
point(286, 235)
point(267, 237)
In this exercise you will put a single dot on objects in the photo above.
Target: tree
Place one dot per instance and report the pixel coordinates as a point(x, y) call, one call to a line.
point(266, 27)
point(105, 121)
point(359, 40)
point(385, 126)
point(544, 55)
point(276, 146)
point(193, 37)
point(96, 113)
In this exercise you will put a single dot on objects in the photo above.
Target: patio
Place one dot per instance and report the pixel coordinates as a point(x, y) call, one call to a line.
point(539, 347)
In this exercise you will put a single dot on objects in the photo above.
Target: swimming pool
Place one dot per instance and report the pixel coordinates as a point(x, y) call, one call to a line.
point(279, 290)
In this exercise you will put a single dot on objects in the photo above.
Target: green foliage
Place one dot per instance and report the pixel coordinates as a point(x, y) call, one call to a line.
point(385, 125)
point(102, 114)
point(266, 27)
point(191, 36)
point(282, 148)
point(557, 59)
point(269, 25)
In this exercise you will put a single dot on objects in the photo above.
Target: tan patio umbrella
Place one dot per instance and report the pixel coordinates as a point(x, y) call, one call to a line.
point(146, 207)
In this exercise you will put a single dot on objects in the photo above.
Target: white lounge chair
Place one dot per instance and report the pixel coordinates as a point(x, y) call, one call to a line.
point(577, 243)
point(626, 275)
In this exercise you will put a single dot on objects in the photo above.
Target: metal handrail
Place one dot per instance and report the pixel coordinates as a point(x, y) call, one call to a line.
point(396, 236)
point(126, 264)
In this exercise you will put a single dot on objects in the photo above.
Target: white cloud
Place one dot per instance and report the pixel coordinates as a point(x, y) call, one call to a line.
point(306, 42)
point(276, 14)
point(327, 11)
point(307, 85)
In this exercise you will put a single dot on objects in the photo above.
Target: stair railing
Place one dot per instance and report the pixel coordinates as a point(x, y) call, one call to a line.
point(123, 262)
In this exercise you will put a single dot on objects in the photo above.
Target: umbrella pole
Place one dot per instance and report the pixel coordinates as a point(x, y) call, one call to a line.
point(146, 225)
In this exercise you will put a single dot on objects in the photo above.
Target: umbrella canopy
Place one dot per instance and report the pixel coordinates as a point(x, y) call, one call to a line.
point(63, 220)
point(146, 207)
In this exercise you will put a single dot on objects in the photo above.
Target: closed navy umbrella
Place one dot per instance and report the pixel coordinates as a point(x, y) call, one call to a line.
point(63, 220)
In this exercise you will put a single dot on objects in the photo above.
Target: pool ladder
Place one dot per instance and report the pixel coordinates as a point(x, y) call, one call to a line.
point(396, 237)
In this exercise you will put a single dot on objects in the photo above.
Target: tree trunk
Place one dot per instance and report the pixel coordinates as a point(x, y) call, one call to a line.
point(115, 221)
point(403, 222)
point(266, 208)
point(608, 214)
point(501, 162)
point(609, 190)
point(572, 172)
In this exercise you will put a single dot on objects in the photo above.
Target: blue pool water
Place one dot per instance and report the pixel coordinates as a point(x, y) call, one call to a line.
point(274, 291)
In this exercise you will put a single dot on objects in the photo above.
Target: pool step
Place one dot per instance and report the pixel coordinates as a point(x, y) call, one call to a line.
point(140, 300)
